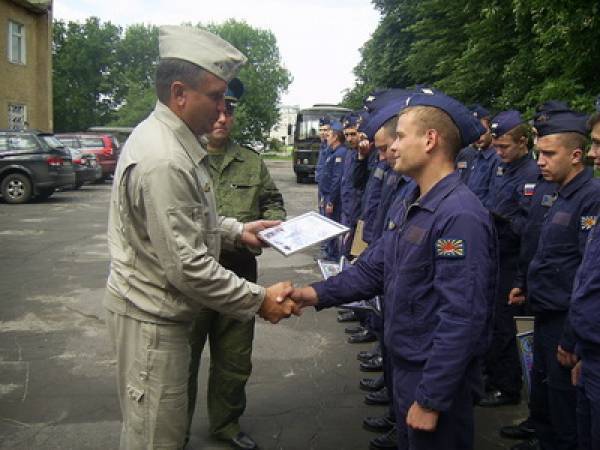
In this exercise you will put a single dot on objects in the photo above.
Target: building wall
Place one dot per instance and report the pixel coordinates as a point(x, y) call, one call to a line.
point(29, 84)
point(287, 116)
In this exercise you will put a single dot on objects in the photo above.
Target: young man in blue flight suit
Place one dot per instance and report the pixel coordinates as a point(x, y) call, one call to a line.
point(332, 181)
point(483, 164)
point(465, 157)
point(323, 153)
point(511, 189)
point(562, 238)
point(351, 195)
point(436, 263)
point(584, 317)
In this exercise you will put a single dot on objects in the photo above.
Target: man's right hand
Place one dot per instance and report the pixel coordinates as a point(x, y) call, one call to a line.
point(303, 297)
point(276, 304)
point(364, 148)
point(516, 296)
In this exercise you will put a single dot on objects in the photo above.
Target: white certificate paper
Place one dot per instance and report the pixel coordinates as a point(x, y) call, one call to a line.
point(301, 232)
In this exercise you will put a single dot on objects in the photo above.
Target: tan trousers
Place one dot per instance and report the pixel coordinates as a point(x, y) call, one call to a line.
point(152, 375)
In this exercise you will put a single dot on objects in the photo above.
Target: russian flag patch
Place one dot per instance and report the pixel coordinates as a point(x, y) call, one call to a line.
point(529, 189)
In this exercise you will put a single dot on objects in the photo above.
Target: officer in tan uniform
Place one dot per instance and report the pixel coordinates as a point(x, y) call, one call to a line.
point(244, 190)
point(165, 238)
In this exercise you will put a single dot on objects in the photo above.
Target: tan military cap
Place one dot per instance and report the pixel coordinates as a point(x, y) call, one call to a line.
point(201, 48)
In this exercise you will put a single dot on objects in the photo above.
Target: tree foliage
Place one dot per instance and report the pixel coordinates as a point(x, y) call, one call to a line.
point(503, 54)
point(104, 75)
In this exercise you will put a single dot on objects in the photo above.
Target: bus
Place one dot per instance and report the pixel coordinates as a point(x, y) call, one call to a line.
point(307, 140)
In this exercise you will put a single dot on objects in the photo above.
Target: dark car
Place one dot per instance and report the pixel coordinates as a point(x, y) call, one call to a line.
point(85, 167)
point(32, 164)
point(104, 146)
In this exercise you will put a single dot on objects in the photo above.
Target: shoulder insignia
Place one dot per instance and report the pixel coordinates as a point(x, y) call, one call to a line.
point(338, 159)
point(378, 173)
point(450, 248)
point(588, 222)
point(529, 189)
point(461, 165)
point(500, 171)
point(548, 200)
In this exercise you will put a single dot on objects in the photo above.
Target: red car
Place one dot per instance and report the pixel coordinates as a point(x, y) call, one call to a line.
point(104, 146)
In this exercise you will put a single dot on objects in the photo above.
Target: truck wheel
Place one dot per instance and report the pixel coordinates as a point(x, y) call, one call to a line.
point(300, 179)
point(16, 188)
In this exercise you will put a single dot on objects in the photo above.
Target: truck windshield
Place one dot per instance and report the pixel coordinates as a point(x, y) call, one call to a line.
point(307, 126)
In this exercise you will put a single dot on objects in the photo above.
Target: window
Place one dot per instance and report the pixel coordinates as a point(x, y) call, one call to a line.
point(22, 143)
point(17, 117)
point(91, 142)
point(16, 42)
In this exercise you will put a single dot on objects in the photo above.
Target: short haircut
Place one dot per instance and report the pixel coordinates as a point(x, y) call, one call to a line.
point(170, 70)
point(574, 141)
point(390, 126)
point(340, 136)
point(593, 120)
point(429, 117)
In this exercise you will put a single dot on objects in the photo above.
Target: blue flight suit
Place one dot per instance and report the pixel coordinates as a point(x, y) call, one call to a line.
point(549, 282)
point(436, 264)
point(395, 186)
point(363, 169)
point(511, 190)
point(481, 170)
point(464, 161)
point(372, 198)
point(351, 197)
point(323, 153)
point(584, 316)
point(331, 190)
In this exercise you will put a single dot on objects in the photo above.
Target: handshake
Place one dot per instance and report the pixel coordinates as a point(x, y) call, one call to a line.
point(282, 300)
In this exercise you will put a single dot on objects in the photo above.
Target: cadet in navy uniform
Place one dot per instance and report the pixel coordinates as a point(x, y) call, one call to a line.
point(437, 264)
point(483, 164)
point(351, 195)
point(585, 317)
point(465, 157)
point(332, 180)
point(562, 237)
point(511, 189)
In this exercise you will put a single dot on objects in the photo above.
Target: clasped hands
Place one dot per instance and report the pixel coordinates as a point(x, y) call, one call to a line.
point(282, 300)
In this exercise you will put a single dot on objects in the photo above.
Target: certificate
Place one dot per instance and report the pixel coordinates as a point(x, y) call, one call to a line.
point(301, 232)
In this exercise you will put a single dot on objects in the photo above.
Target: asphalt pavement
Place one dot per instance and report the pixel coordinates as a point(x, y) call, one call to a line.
point(57, 370)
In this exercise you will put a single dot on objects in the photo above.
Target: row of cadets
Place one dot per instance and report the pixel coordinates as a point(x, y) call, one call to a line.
point(568, 211)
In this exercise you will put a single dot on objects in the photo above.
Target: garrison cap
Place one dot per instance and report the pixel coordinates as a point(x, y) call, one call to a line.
point(505, 121)
point(383, 108)
point(351, 120)
point(469, 127)
point(202, 48)
point(235, 90)
point(554, 122)
point(552, 106)
point(336, 126)
point(479, 112)
point(325, 120)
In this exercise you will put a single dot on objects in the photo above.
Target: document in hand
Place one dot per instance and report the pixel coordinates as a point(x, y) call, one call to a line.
point(301, 232)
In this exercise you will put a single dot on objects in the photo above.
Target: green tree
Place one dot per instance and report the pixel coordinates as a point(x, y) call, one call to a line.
point(264, 77)
point(83, 81)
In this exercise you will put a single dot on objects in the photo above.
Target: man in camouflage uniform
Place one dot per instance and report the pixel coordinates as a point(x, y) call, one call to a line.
point(245, 191)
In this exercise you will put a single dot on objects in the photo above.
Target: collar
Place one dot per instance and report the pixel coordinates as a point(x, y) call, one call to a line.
point(488, 152)
point(182, 132)
point(576, 183)
point(439, 192)
point(514, 165)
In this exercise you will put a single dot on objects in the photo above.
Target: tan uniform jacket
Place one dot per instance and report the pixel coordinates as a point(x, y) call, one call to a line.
point(164, 234)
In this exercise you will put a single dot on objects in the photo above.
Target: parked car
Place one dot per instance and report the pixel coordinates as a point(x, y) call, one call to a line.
point(32, 164)
point(85, 167)
point(104, 146)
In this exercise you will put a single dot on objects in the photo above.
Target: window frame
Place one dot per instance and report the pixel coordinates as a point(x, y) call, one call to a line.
point(22, 57)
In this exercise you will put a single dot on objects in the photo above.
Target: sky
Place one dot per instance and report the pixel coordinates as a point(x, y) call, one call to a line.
point(319, 41)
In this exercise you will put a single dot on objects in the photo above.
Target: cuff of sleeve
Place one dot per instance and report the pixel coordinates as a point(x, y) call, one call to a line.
point(259, 294)
point(428, 403)
point(231, 230)
point(568, 341)
point(325, 301)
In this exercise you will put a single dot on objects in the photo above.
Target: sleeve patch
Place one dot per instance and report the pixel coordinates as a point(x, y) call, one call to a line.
point(450, 248)
point(588, 222)
point(462, 165)
point(338, 159)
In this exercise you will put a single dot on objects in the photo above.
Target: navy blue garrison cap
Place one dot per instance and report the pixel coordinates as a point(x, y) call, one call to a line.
point(505, 121)
point(235, 90)
point(351, 120)
point(383, 108)
point(469, 127)
point(324, 121)
point(554, 122)
point(553, 106)
point(479, 111)
point(336, 125)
